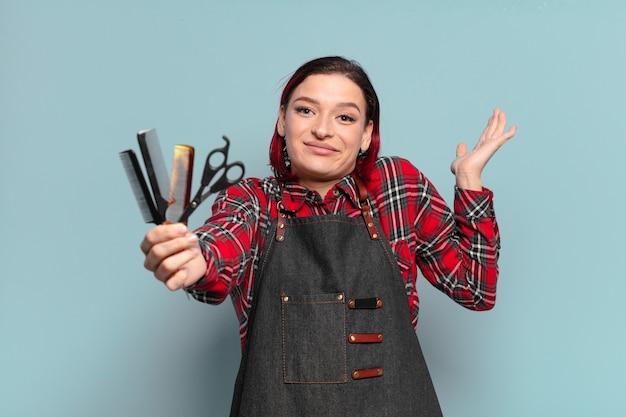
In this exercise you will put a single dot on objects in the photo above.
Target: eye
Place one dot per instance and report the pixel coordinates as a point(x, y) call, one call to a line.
point(303, 110)
point(346, 119)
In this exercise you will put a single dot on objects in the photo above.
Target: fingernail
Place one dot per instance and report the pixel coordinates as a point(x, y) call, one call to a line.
point(192, 238)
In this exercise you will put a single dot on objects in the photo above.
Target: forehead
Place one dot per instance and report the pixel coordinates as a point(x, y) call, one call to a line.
point(329, 88)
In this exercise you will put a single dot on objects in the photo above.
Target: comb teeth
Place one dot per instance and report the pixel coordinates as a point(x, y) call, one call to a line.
point(139, 187)
point(180, 187)
point(155, 168)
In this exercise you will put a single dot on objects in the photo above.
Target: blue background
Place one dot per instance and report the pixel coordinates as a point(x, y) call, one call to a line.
point(86, 331)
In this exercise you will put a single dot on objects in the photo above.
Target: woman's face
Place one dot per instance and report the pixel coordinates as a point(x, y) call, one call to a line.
point(325, 126)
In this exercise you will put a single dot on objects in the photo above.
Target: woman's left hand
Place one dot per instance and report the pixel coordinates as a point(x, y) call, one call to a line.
point(468, 166)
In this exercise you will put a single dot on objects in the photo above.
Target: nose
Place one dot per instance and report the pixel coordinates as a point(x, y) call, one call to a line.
point(322, 127)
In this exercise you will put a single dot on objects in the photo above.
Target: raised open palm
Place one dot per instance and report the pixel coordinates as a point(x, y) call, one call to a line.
point(468, 166)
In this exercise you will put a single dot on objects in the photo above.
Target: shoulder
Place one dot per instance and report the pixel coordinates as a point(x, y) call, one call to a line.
point(248, 194)
point(398, 179)
point(253, 187)
point(395, 169)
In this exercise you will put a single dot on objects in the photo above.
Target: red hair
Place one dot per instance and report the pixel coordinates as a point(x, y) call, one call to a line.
point(330, 65)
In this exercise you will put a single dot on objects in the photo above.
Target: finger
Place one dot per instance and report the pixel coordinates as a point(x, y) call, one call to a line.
point(182, 278)
point(163, 250)
point(493, 123)
point(483, 134)
point(161, 233)
point(177, 281)
point(490, 127)
point(508, 135)
point(500, 124)
point(502, 139)
point(173, 267)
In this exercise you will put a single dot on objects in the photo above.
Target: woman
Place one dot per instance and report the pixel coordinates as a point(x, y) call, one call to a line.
point(321, 259)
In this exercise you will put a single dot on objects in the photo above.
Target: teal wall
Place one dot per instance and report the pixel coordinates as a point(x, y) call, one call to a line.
point(86, 331)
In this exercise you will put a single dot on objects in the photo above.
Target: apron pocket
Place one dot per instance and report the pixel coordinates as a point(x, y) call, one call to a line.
point(314, 339)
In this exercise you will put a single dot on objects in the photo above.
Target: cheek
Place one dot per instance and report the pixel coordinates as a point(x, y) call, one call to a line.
point(358, 140)
point(292, 126)
point(291, 147)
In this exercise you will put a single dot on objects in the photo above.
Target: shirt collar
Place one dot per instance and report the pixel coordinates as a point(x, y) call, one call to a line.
point(294, 195)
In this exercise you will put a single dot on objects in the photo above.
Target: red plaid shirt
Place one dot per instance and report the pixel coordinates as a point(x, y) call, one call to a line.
point(456, 252)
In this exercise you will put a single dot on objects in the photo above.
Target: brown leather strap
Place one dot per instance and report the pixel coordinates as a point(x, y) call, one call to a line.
point(280, 227)
point(366, 210)
point(368, 373)
point(366, 338)
point(365, 303)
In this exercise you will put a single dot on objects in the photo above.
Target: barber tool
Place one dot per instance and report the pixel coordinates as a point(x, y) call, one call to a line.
point(180, 187)
point(209, 173)
point(155, 168)
point(139, 187)
point(155, 208)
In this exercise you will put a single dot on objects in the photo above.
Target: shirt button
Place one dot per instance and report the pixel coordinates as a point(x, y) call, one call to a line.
point(336, 192)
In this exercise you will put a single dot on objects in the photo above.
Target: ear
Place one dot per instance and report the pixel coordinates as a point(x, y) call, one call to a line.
point(367, 136)
point(280, 123)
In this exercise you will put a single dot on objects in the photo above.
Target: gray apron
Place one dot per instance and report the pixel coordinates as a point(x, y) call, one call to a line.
point(330, 332)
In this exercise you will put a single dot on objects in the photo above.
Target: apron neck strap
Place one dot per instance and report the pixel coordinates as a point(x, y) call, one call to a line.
point(364, 205)
point(366, 210)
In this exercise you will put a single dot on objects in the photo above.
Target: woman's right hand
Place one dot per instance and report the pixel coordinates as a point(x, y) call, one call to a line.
point(173, 255)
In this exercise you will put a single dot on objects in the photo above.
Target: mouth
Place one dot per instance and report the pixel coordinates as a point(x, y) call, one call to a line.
point(320, 148)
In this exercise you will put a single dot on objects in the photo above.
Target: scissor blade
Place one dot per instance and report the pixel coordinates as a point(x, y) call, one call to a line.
point(155, 167)
point(180, 187)
point(139, 186)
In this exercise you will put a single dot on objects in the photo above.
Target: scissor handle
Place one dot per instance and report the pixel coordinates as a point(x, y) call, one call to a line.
point(224, 181)
point(213, 169)
point(209, 173)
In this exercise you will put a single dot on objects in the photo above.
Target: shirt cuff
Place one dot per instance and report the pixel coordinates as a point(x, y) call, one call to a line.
point(473, 204)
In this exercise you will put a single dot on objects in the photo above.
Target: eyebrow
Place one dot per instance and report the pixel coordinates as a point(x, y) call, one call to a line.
point(341, 104)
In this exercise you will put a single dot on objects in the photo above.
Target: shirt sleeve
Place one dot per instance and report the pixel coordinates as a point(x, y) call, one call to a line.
point(226, 242)
point(458, 251)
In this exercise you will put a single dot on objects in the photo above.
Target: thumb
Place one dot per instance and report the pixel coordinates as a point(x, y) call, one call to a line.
point(461, 149)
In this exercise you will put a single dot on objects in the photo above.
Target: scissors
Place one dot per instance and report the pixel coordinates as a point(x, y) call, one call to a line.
point(208, 174)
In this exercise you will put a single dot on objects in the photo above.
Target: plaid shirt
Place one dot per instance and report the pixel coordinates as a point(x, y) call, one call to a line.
point(456, 252)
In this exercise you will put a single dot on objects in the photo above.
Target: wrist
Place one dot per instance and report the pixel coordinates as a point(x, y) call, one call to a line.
point(469, 182)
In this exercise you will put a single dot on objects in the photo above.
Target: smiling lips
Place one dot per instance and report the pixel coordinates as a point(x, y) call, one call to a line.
point(320, 148)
